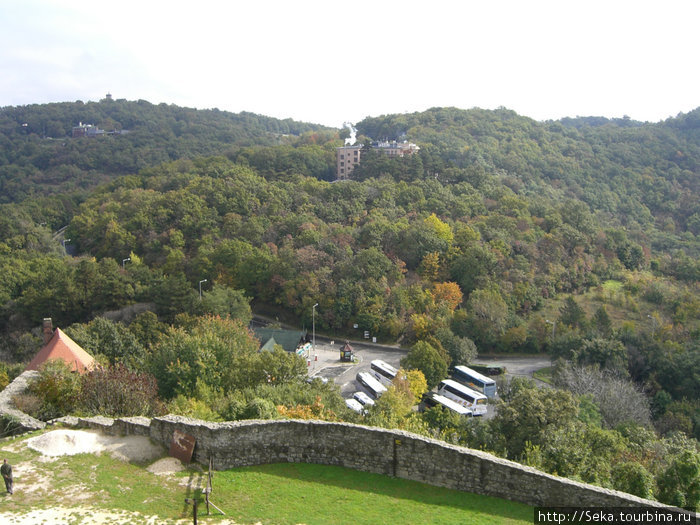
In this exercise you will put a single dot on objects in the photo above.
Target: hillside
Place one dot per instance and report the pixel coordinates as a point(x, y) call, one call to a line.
point(38, 155)
point(636, 175)
point(577, 239)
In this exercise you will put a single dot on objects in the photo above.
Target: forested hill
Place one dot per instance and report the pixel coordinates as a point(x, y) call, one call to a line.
point(637, 175)
point(579, 239)
point(39, 157)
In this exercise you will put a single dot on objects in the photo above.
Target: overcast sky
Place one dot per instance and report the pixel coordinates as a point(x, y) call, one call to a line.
point(327, 62)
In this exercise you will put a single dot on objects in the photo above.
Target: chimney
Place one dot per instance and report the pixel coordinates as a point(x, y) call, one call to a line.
point(48, 330)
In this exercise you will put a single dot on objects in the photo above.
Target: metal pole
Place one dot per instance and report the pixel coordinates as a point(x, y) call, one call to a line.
point(124, 261)
point(554, 324)
point(313, 325)
point(200, 288)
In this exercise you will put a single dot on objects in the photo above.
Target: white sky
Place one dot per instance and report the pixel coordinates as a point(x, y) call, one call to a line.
point(327, 62)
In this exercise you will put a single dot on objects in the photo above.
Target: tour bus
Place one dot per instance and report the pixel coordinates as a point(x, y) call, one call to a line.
point(374, 387)
point(355, 405)
point(475, 380)
point(384, 372)
point(433, 399)
point(463, 395)
point(363, 398)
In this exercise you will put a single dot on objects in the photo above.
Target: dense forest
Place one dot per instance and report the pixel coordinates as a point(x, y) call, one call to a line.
point(577, 238)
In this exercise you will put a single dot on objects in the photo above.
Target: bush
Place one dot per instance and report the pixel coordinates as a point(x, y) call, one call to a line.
point(633, 478)
point(117, 392)
point(30, 404)
point(57, 387)
point(194, 408)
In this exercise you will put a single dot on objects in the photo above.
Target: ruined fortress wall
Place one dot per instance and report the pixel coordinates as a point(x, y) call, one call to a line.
point(390, 452)
point(369, 449)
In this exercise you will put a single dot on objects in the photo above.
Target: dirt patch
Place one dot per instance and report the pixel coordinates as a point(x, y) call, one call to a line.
point(52, 445)
point(165, 466)
point(138, 449)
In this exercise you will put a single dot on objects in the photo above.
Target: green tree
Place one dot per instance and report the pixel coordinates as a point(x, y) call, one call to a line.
point(221, 353)
point(422, 356)
point(601, 323)
point(113, 340)
point(58, 389)
point(571, 314)
point(225, 302)
point(531, 415)
point(633, 478)
point(679, 483)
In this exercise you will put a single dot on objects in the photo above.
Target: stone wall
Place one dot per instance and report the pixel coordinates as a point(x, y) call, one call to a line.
point(390, 452)
point(369, 449)
point(21, 422)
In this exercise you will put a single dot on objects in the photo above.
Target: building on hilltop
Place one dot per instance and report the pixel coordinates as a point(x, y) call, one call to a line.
point(349, 156)
point(89, 130)
point(86, 130)
point(57, 345)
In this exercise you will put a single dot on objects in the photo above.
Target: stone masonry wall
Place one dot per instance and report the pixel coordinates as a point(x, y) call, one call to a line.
point(369, 449)
point(23, 422)
point(390, 452)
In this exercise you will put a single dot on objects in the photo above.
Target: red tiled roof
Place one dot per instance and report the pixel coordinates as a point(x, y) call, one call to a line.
point(63, 347)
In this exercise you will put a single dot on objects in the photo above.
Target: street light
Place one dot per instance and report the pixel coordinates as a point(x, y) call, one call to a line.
point(124, 260)
point(200, 288)
point(313, 327)
point(63, 242)
point(554, 325)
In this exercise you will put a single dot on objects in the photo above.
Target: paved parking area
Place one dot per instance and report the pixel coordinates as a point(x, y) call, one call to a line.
point(325, 362)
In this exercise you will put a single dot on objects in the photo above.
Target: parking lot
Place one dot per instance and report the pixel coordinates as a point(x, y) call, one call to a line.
point(325, 362)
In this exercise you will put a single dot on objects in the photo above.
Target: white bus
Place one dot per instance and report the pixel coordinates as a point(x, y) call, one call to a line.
point(363, 398)
point(383, 371)
point(354, 404)
point(475, 380)
point(465, 396)
point(374, 387)
point(432, 400)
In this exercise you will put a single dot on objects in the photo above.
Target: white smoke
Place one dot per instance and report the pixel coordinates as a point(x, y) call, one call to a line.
point(350, 141)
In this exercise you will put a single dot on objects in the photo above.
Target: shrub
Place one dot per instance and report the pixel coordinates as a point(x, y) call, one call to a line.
point(28, 403)
point(633, 478)
point(57, 387)
point(116, 391)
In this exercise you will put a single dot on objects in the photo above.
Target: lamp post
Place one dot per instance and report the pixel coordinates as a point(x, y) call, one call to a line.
point(124, 261)
point(63, 242)
point(200, 288)
point(554, 325)
point(313, 327)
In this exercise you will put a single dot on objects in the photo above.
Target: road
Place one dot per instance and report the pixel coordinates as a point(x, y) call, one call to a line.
point(327, 363)
point(517, 366)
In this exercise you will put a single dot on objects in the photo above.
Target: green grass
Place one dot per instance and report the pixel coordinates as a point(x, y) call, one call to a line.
point(612, 286)
point(543, 374)
point(316, 494)
point(270, 494)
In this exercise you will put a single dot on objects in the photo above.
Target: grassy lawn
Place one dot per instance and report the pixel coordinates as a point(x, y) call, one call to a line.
point(270, 494)
point(543, 374)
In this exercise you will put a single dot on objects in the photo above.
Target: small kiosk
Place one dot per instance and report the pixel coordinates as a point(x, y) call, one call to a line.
point(346, 353)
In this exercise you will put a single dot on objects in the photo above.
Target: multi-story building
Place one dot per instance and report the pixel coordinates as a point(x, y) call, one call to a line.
point(347, 157)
